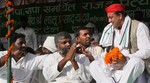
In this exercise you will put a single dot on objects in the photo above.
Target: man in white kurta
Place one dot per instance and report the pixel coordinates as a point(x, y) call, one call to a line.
point(30, 36)
point(95, 51)
point(134, 65)
point(68, 74)
point(83, 37)
point(48, 48)
point(3, 70)
point(23, 63)
point(31, 40)
point(65, 65)
point(22, 70)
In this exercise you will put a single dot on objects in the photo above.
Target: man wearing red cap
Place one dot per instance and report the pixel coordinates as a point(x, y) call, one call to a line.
point(132, 39)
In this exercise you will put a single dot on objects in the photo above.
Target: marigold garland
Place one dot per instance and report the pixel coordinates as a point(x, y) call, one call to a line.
point(6, 58)
point(9, 23)
point(8, 54)
point(114, 53)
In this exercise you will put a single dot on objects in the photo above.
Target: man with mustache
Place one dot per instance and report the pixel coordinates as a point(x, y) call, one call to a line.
point(84, 39)
point(127, 39)
point(23, 63)
point(65, 65)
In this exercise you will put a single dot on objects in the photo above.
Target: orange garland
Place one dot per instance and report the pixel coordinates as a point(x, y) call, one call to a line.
point(8, 54)
point(6, 58)
point(9, 4)
point(8, 23)
point(114, 53)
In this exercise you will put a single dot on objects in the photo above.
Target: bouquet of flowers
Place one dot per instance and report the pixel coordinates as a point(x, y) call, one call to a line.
point(113, 54)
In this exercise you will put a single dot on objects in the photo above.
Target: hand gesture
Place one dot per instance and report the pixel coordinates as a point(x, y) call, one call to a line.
point(71, 52)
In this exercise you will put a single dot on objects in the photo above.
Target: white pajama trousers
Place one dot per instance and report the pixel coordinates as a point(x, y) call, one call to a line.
point(134, 67)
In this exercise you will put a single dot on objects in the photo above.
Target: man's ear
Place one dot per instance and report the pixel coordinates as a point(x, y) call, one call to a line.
point(121, 16)
point(77, 39)
point(57, 45)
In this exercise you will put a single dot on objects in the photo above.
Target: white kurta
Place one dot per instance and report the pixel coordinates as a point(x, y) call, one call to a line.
point(22, 70)
point(132, 69)
point(95, 51)
point(68, 74)
point(3, 70)
point(30, 38)
point(96, 37)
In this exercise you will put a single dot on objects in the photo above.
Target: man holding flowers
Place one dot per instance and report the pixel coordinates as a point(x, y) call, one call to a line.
point(126, 42)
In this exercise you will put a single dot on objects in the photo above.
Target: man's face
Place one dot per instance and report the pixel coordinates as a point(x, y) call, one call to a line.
point(46, 51)
point(64, 45)
point(20, 42)
point(19, 47)
point(114, 19)
point(84, 38)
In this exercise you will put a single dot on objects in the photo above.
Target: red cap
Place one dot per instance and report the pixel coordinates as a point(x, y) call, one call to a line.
point(115, 8)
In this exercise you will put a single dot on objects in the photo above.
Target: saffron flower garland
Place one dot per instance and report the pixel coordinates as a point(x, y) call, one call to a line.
point(114, 53)
point(9, 3)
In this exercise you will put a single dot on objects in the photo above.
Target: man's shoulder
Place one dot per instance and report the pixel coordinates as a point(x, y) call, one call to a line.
point(94, 47)
point(108, 27)
point(54, 55)
point(2, 53)
point(29, 29)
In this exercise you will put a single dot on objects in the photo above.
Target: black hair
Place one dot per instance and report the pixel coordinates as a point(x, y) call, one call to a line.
point(17, 35)
point(39, 50)
point(77, 33)
point(23, 18)
point(120, 12)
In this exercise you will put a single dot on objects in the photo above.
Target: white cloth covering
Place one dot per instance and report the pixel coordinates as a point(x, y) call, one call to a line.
point(3, 70)
point(37, 75)
point(68, 74)
point(22, 70)
point(143, 41)
point(50, 44)
point(107, 36)
point(30, 38)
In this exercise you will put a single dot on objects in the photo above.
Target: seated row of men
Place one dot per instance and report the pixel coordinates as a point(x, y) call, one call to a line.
point(67, 62)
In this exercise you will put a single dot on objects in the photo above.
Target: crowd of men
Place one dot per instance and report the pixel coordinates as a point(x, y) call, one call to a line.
point(63, 59)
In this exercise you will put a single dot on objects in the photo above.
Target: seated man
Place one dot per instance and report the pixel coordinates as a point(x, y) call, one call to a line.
point(23, 63)
point(48, 48)
point(126, 43)
point(83, 37)
point(65, 65)
point(49, 45)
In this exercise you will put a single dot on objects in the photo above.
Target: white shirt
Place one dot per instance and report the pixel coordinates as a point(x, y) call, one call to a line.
point(95, 51)
point(68, 74)
point(96, 37)
point(30, 38)
point(22, 70)
point(143, 42)
point(3, 70)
